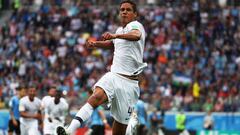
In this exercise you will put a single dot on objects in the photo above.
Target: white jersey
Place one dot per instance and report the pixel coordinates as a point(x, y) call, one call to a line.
point(57, 114)
point(59, 110)
point(45, 101)
point(31, 107)
point(128, 55)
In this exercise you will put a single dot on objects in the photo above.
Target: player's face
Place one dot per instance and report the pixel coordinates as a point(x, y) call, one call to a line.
point(127, 14)
point(31, 93)
point(57, 97)
point(22, 92)
point(52, 92)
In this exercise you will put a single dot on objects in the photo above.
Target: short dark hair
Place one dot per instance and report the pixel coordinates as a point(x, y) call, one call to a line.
point(19, 88)
point(134, 6)
point(32, 85)
point(59, 91)
point(51, 87)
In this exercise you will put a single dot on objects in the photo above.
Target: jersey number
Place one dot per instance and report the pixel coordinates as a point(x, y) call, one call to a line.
point(130, 109)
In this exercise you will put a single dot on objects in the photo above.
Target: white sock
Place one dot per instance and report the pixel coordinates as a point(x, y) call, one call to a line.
point(82, 115)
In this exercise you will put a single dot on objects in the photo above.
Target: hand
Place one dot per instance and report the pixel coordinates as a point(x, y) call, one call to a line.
point(50, 120)
point(90, 44)
point(108, 36)
point(107, 126)
point(57, 118)
point(14, 122)
point(37, 116)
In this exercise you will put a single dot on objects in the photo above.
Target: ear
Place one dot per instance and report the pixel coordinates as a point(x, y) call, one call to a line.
point(135, 15)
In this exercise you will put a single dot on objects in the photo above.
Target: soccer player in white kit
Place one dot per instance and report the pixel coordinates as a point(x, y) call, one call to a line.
point(51, 93)
point(55, 112)
point(30, 113)
point(45, 101)
point(119, 87)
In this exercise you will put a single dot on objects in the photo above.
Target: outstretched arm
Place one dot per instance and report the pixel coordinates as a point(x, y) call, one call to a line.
point(133, 35)
point(107, 44)
point(27, 115)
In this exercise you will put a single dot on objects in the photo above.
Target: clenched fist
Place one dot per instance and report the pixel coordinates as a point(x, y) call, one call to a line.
point(108, 36)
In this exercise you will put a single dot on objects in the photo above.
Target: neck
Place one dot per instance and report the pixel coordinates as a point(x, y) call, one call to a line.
point(31, 98)
point(56, 101)
point(123, 24)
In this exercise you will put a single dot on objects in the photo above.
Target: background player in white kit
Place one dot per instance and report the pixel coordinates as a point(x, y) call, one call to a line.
point(45, 101)
point(55, 112)
point(120, 86)
point(51, 94)
point(30, 113)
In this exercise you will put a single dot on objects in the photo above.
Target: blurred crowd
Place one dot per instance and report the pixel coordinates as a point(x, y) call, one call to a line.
point(192, 50)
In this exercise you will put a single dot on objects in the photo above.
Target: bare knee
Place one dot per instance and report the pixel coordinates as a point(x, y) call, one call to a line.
point(97, 98)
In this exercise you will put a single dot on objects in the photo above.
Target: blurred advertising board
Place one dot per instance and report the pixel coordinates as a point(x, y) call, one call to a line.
point(218, 132)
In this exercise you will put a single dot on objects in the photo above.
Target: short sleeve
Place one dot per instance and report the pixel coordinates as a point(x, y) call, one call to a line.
point(39, 103)
point(10, 103)
point(21, 106)
point(65, 106)
point(133, 26)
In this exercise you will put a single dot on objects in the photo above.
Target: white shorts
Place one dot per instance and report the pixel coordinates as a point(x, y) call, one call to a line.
point(30, 128)
point(122, 94)
point(47, 127)
point(50, 127)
